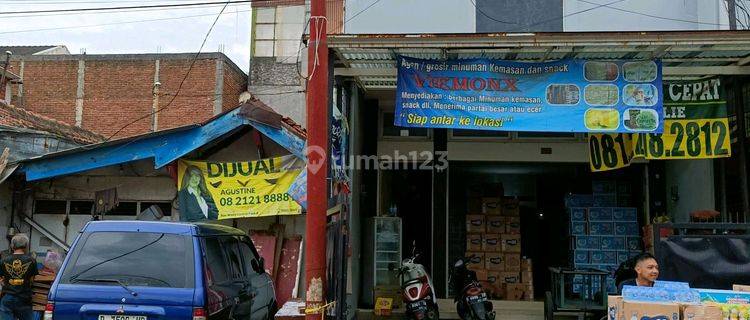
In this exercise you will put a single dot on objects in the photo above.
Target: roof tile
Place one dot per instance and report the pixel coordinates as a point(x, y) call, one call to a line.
point(11, 116)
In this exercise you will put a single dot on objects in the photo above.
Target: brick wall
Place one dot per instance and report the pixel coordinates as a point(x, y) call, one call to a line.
point(117, 89)
point(234, 85)
point(50, 88)
point(195, 102)
point(116, 93)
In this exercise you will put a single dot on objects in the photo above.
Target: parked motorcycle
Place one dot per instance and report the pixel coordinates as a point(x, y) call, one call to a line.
point(418, 293)
point(471, 301)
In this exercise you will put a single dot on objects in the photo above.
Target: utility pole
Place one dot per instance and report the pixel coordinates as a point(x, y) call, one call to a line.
point(732, 13)
point(317, 161)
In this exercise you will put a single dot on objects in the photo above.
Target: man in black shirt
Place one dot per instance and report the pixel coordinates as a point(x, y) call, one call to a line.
point(18, 271)
point(647, 271)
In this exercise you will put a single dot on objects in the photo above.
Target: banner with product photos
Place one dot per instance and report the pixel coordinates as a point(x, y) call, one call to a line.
point(559, 96)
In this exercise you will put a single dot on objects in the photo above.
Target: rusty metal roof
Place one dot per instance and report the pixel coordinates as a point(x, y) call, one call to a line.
point(686, 54)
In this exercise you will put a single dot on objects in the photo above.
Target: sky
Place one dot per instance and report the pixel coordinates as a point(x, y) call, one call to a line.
point(103, 32)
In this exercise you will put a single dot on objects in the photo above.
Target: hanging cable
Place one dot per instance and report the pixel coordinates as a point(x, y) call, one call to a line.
point(195, 4)
point(190, 68)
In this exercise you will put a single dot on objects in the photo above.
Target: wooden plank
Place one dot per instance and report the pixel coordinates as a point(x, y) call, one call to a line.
point(278, 230)
point(44, 278)
point(266, 245)
point(4, 159)
point(286, 280)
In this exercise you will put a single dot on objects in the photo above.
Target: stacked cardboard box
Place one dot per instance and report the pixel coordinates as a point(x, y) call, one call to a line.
point(602, 235)
point(676, 300)
point(493, 240)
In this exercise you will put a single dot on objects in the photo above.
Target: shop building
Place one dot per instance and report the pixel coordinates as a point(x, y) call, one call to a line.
point(55, 194)
point(24, 135)
point(452, 175)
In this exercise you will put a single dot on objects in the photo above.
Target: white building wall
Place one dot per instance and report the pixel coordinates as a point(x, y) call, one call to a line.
point(449, 16)
point(644, 15)
point(409, 16)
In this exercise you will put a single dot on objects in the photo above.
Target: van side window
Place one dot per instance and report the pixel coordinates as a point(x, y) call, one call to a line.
point(215, 263)
point(248, 257)
point(233, 257)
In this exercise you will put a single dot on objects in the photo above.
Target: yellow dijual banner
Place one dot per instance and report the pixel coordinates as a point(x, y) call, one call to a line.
point(225, 190)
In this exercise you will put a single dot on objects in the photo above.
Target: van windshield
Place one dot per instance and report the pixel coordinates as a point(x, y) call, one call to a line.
point(133, 259)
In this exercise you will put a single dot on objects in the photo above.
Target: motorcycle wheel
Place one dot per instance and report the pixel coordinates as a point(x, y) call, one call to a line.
point(461, 310)
point(432, 313)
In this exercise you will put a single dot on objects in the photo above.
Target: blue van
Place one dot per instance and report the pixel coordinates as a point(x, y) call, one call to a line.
point(137, 270)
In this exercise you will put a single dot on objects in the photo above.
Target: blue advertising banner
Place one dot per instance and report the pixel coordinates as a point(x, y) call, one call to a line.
point(558, 96)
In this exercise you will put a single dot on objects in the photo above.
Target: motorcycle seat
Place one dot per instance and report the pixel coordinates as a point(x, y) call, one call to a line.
point(411, 282)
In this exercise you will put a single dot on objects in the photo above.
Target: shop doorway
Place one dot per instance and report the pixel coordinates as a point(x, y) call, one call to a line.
point(541, 189)
point(407, 194)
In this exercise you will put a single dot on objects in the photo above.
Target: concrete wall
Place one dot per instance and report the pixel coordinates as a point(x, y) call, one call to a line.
point(412, 16)
point(279, 85)
point(446, 16)
point(134, 182)
point(694, 180)
point(519, 16)
point(663, 15)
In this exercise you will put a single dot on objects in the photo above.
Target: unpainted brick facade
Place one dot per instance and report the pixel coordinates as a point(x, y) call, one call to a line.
point(115, 90)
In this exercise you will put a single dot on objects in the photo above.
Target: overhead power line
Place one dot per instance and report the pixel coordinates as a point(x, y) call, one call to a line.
point(194, 4)
point(49, 2)
point(487, 15)
point(116, 11)
point(655, 16)
point(111, 23)
point(182, 82)
point(575, 13)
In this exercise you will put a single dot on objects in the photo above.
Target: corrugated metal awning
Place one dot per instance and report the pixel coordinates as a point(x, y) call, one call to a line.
point(686, 54)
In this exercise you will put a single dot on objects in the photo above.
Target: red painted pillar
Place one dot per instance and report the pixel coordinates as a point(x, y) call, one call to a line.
point(317, 157)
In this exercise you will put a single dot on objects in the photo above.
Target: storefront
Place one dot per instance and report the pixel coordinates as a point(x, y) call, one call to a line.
point(443, 189)
point(241, 164)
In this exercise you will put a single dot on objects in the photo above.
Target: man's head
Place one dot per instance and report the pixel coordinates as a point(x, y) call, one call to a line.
point(647, 268)
point(639, 95)
point(19, 242)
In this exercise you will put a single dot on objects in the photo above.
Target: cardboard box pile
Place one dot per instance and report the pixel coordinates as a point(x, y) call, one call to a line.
point(674, 300)
point(603, 235)
point(40, 290)
point(493, 240)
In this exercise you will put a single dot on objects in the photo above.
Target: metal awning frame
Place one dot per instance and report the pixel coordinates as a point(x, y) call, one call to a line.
point(370, 59)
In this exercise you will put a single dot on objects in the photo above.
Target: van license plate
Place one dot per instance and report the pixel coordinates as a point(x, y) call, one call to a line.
point(121, 317)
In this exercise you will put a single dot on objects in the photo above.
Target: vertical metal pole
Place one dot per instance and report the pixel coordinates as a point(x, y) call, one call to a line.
point(317, 157)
